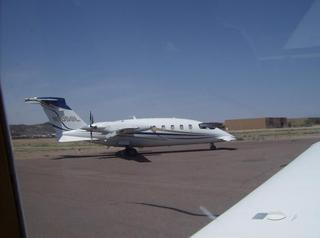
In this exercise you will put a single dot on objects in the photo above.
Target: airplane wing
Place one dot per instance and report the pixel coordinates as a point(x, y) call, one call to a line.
point(134, 130)
point(109, 134)
point(286, 205)
point(127, 130)
point(123, 131)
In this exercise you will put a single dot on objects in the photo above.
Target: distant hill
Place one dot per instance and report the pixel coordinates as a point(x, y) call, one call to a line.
point(32, 131)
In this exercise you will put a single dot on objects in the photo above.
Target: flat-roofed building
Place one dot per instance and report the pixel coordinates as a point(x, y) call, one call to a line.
point(305, 121)
point(296, 122)
point(256, 123)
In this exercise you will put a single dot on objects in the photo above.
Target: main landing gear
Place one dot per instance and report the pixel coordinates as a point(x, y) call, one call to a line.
point(212, 146)
point(130, 151)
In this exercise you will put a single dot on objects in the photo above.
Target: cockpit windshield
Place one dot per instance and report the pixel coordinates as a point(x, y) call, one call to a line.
point(206, 125)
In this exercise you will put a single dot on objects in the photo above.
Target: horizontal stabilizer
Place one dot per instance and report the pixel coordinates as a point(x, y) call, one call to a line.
point(67, 138)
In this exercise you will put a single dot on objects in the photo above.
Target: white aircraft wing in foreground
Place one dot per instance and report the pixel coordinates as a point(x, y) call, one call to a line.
point(287, 205)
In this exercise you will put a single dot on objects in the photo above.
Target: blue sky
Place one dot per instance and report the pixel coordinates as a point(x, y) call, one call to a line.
point(206, 60)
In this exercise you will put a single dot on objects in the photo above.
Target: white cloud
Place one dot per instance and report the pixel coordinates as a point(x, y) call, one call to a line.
point(170, 46)
point(288, 57)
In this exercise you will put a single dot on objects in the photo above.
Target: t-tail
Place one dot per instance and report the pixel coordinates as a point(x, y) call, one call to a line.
point(60, 115)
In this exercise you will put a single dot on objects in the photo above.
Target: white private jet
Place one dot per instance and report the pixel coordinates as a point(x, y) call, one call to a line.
point(130, 133)
point(286, 205)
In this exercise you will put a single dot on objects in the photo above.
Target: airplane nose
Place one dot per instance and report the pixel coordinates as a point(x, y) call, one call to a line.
point(225, 136)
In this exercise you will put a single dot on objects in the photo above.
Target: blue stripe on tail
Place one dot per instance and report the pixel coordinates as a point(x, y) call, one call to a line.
point(55, 101)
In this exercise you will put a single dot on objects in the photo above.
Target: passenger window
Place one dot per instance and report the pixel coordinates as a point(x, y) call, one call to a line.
point(163, 127)
point(190, 126)
point(172, 127)
point(181, 127)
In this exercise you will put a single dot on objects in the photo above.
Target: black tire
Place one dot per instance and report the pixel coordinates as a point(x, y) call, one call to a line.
point(213, 147)
point(132, 152)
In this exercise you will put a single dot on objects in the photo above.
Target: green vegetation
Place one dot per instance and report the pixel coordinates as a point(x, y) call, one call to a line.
point(312, 121)
point(277, 134)
point(47, 144)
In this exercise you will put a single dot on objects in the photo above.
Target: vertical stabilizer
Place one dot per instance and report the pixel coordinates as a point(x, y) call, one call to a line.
point(60, 115)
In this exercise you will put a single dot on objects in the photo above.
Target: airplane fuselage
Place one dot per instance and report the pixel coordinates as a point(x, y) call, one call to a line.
point(129, 133)
point(154, 132)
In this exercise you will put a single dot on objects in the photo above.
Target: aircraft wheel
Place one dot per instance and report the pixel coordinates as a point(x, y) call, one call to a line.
point(212, 147)
point(131, 151)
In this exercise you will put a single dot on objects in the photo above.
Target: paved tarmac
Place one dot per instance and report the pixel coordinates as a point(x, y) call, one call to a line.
point(156, 194)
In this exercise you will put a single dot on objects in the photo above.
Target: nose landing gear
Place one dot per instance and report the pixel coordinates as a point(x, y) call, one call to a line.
point(212, 146)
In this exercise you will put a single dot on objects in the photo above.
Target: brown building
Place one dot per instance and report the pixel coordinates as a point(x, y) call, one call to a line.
point(256, 123)
point(297, 122)
point(302, 122)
